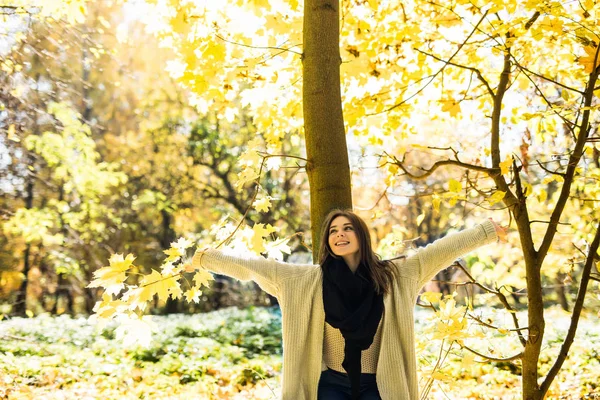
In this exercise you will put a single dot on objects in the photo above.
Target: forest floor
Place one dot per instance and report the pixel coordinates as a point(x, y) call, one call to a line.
point(236, 354)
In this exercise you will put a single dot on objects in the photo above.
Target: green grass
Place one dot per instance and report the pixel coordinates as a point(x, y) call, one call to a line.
point(236, 354)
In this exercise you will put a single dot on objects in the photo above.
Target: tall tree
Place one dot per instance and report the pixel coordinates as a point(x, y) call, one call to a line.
point(326, 149)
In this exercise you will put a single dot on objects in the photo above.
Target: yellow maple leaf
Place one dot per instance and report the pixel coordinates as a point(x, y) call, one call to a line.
point(182, 244)
point(277, 248)
point(135, 330)
point(430, 297)
point(373, 4)
point(452, 107)
point(505, 165)
point(111, 278)
point(156, 283)
point(107, 307)
point(256, 241)
point(174, 253)
point(455, 186)
point(263, 204)
point(175, 292)
point(202, 277)
point(193, 295)
point(589, 61)
point(496, 197)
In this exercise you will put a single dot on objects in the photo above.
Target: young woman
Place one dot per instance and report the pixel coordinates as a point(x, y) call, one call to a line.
point(348, 327)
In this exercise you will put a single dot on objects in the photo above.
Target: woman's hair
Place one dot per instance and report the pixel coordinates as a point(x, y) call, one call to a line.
point(382, 271)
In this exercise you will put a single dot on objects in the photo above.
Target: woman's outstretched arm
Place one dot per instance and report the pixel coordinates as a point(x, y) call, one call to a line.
point(431, 259)
point(267, 273)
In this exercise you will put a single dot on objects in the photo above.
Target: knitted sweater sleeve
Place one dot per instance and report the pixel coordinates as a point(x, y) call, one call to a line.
point(267, 273)
point(431, 259)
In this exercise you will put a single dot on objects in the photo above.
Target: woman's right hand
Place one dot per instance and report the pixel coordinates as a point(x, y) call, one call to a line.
point(189, 267)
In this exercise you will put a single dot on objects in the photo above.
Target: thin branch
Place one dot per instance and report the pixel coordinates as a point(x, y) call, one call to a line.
point(489, 358)
point(261, 47)
point(549, 171)
point(548, 222)
point(266, 155)
point(480, 321)
point(571, 166)
point(545, 77)
point(437, 164)
point(549, 103)
point(502, 299)
point(585, 278)
point(473, 69)
point(443, 67)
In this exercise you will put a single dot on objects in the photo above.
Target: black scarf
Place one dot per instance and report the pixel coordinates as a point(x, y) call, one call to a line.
point(352, 306)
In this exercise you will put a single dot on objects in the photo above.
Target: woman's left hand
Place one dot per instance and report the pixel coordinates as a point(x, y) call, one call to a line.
point(500, 231)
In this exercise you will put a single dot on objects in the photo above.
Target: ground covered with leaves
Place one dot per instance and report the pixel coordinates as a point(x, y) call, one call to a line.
point(236, 354)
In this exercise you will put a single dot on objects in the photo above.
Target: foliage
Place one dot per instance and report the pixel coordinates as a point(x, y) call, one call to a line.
point(194, 355)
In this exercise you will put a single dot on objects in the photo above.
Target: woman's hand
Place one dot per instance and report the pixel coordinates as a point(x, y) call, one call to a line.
point(500, 231)
point(197, 255)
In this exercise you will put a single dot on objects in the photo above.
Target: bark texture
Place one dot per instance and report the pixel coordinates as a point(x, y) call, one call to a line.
point(327, 153)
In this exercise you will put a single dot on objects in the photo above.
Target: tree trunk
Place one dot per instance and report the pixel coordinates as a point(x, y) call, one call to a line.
point(561, 292)
point(21, 301)
point(168, 236)
point(327, 153)
point(531, 354)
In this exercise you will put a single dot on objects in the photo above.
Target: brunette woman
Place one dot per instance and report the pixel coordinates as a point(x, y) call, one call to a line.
point(348, 325)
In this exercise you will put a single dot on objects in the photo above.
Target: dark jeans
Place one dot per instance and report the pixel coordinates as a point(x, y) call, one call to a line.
point(335, 385)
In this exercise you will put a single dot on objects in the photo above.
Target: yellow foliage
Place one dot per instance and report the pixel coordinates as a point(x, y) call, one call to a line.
point(111, 278)
point(455, 186)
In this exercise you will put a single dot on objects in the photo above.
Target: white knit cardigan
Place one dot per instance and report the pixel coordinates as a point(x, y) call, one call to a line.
point(298, 287)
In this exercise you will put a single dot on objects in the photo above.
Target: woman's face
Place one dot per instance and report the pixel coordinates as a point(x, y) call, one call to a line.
point(343, 240)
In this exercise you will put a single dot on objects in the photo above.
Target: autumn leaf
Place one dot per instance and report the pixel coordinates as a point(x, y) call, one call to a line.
point(173, 254)
point(263, 204)
point(202, 277)
point(589, 61)
point(107, 307)
point(455, 186)
point(111, 278)
point(156, 283)
point(182, 244)
point(452, 107)
point(134, 330)
point(193, 295)
point(256, 241)
point(431, 297)
point(505, 165)
point(374, 4)
point(496, 197)
point(277, 248)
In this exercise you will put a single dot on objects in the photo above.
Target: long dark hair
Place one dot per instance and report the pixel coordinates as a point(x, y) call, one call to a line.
point(382, 271)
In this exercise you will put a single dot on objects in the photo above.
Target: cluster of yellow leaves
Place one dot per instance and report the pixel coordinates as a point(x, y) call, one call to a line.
point(128, 310)
point(126, 303)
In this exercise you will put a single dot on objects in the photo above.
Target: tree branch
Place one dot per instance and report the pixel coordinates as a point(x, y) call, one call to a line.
point(437, 164)
point(585, 278)
point(443, 67)
point(549, 171)
point(262, 47)
point(502, 299)
point(516, 356)
point(480, 321)
point(574, 159)
point(546, 78)
point(475, 70)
